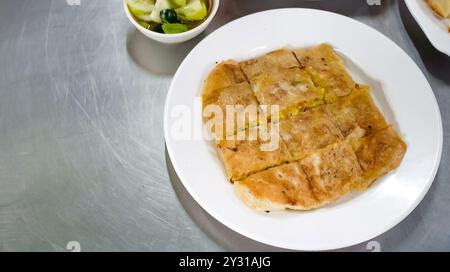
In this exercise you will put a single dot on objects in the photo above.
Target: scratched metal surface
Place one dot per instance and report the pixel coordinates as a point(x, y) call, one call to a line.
point(82, 154)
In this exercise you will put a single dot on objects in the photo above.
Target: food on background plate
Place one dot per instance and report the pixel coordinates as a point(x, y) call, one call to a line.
point(333, 140)
point(169, 16)
point(441, 7)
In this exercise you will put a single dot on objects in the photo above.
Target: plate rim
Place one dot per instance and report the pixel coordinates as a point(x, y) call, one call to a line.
point(341, 245)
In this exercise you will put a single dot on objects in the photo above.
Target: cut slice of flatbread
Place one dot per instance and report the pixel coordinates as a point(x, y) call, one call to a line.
point(379, 154)
point(268, 63)
point(225, 74)
point(332, 172)
point(244, 113)
point(356, 110)
point(441, 7)
point(327, 70)
point(245, 157)
point(290, 89)
point(278, 188)
point(309, 131)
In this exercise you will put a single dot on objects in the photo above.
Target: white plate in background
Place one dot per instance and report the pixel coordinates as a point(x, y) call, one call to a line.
point(435, 28)
point(399, 88)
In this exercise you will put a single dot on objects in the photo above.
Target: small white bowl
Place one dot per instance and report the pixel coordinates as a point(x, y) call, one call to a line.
point(174, 38)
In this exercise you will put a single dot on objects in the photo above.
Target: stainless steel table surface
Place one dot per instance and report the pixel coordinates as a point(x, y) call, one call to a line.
point(82, 154)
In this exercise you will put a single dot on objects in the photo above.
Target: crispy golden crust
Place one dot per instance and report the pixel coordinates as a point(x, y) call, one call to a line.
point(240, 94)
point(308, 131)
point(278, 188)
point(380, 153)
point(244, 157)
point(225, 74)
point(332, 172)
point(268, 63)
point(441, 7)
point(327, 70)
point(286, 88)
point(356, 110)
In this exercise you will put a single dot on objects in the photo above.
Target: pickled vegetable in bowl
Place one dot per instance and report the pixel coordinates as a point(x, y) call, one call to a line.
point(169, 16)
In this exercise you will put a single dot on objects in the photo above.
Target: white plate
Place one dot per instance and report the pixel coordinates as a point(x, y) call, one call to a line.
point(400, 89)
point(435, 28)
